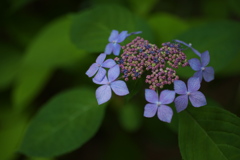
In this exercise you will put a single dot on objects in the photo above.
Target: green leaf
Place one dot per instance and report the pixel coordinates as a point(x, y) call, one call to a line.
point(9, 64)
point(33, 158)
point(221, 40)
point(130, 117)
point(18, 4)
point(91, 28)
point(51, 49)
point(142, 8)
point(167, 26)
point(212, 12)
point(65, 123)
point(209, 133)
point(11, 132)
point(235, 6)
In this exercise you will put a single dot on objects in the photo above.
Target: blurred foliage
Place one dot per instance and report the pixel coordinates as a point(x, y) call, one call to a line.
point(47, 104)
point(39, 61)
point(94, 26)
point(63, 124)
point(211, 128)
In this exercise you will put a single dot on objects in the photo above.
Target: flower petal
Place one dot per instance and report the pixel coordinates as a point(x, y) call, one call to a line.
point(205, 58)
point(196, 51)
point(199, 75)
point(101, 58)
point(109, 48)
point(193, 84)
point(116, 49)
point(180, 87)
point(167, 97)
point(165, 113)
point(197, 99)
point(100, 75)
point(122, 36)
point(113, 36)
point(195, 64)
point(208, 74)
point(150, 110)
point(109, 63)
point(190, 46)
point(104, 81)
point(184, 43)
point(103, 94)
point(92, 70)
point(119, 88)
point(113, 73)
point(181, 103)
point(151, 96)
point(137, 32)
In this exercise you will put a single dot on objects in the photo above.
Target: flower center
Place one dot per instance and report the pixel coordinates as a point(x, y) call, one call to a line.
point(114, 42)
point(203, 68)
point(158, 104)
point(188, 93)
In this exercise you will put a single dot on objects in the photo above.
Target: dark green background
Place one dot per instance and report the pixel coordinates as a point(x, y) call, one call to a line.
point(48, 108)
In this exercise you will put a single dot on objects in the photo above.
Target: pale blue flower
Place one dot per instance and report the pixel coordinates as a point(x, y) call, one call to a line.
point(98, 67)
point(116, 38)
point(119, 87)
point(158, 104)
point(196, 97)
point(207, 73)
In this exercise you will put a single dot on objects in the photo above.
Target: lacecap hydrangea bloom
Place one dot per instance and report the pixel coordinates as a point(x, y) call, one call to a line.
point(156, 66)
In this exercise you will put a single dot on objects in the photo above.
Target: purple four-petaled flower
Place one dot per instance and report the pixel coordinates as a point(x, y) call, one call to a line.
point(119, 87)
point(158, 104)
point(196, 97)
point(114, 39)
point(200, 66)
point(98, 66)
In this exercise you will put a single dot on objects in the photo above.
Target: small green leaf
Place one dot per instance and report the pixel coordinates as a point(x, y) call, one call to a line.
point(212, 12)
point(51, 49)
point(65, 123)
point(11, 132)
point(130, 117)
point(209, 133)
point(33, 158)
point(221, 39)
point(167, 26)
point(9, 64)
point(235, 6)
point(18, 4)
point(91, 28)
point(142, 8)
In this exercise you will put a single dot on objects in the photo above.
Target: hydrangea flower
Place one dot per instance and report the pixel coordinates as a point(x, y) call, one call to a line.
point(200, 66)
point(196, 97)
point(114, 39)
point(138, 32)
point(98, 66)
point(119, 87)
point(190, 46)
point(158, 104)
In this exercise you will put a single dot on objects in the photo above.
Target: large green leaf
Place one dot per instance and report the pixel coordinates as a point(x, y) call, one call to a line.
point(209, 133)
point(65, 123)
point(91, 28)
point(221, 39)
point(51, 49)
